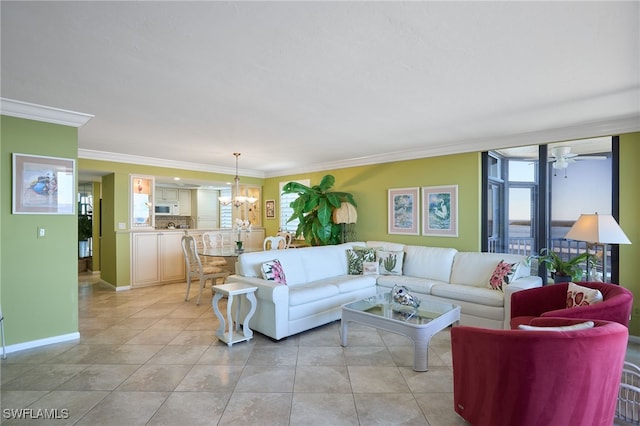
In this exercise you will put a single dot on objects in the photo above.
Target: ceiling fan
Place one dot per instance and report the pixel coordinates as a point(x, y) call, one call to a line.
point(561, 156)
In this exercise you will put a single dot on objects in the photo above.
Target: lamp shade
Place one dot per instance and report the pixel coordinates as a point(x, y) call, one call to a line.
point(346, 213)
point(597, 228)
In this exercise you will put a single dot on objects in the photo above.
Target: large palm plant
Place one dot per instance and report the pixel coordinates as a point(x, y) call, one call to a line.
point(314, 207)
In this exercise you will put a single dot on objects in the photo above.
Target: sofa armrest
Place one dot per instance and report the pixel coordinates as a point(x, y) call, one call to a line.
point(267, 290)
point(532, 303)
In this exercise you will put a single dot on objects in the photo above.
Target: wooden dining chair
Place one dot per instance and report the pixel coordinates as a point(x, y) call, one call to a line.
point(215, 240)
point(287, 238)
point(274, 243)
point(195, 268)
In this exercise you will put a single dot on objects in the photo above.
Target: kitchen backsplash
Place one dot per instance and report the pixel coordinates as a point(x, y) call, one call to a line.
point(180, 222)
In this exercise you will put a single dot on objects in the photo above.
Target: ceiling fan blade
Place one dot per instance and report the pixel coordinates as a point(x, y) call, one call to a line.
point(589, 157)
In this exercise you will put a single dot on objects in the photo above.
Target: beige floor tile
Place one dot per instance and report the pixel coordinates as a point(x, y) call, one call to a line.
point(437, 379)
point(321, 355)
point(322, 379)
point(259, 409)
point(211, 378)
point(124, 408)
point(274, 355)
point(19, 399)
point(153, 337)
point(221, 354)
point(321, 409)
point(389, 409)
point(155, 378)
point(365, 379)
point(99, 377)
point(438, 408)
point(257, 378)
point(368, 355)
point(44, 377)
point(194, 337)
point(191, 409)
point(178, 354)
point(127, 354)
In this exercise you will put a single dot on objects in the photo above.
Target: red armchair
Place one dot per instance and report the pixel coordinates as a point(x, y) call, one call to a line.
point(527, 378)
point(551, 301)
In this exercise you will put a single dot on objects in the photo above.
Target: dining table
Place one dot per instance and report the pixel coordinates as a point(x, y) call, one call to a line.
point(227, 253)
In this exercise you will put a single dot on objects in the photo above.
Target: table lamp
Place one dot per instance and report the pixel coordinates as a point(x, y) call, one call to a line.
point(344, 215)
point(598, 229)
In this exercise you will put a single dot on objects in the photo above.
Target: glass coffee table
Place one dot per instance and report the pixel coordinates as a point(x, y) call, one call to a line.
point(419, 324)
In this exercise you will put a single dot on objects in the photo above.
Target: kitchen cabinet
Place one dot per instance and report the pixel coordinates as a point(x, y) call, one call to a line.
point(166, 194)
point(184, 197)
point(205, 209)
point(156, 258)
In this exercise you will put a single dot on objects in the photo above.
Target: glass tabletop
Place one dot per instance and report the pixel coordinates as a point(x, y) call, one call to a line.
point(379, 305)
point(222, 252)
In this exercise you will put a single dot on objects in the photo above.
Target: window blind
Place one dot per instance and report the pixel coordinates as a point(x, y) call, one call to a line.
point(285, 209)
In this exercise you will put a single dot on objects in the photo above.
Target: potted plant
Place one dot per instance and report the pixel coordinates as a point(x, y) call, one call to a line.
point(564, 271)
point(85, 232)
point(314, 207)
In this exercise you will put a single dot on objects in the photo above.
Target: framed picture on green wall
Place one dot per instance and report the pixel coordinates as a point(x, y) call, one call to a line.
point(403, 205)
point(43, 185)
point(440, 210)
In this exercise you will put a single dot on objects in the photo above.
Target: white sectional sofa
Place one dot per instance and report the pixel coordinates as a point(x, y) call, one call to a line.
point(318, 284)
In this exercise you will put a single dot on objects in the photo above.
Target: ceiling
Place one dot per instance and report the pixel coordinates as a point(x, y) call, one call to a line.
point(303, 86)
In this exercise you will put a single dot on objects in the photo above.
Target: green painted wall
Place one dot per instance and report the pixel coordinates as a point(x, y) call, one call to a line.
point(629, 214)
point(115, 266)
point(369, 185)
point(38, 277)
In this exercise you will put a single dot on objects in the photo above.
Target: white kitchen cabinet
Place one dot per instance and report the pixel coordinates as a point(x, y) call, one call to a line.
point(184, 197)
point(206, 209)
point(166, 194)
point(255, 238)
point(156, 258)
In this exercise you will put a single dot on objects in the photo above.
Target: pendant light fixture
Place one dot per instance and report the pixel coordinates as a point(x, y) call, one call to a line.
point(237, 199)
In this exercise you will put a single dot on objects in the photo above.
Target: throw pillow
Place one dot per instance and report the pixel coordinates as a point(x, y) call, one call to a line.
point(578, 295)
point(502, 275)
point(370, 268)
point(390, 262)
point(356, 256)
point(581, 326)
point(272, 271)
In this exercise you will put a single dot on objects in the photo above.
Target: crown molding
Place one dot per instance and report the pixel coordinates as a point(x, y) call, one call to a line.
point(160, 162)
point(617, 126)
point(19, 109)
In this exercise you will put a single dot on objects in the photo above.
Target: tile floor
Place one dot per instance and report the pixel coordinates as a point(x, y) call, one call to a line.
point(146, 357)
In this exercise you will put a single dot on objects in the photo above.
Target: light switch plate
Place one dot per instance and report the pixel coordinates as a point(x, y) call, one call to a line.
point(41, 232)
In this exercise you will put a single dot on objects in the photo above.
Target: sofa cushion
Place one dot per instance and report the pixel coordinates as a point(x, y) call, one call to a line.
point(429, 262)
point(476, 268)
point(272, 271)
point(250, 264)
point(502, 275)
point(578, 295)
point(390, 262)
point(323, 262)
point(356, 257)
point(478, 295)
point(384, 245)
point(306, 293)
point(414, 284)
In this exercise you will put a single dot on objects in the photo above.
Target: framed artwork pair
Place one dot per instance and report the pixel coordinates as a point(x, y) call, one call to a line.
point(439, 211)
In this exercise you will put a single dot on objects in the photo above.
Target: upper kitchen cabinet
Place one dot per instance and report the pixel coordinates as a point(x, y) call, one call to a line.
point(184, 199)
point(167, 194)
point(141, 189)
point(250, 211)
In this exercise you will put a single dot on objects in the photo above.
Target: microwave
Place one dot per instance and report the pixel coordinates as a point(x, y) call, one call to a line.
point(167, 209)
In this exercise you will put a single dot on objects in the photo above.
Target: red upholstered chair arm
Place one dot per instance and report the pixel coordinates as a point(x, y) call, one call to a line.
point(617, 308)
point(527, 378)
point(535, 301)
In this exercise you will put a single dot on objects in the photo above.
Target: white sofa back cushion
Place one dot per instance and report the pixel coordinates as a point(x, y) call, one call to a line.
point(324, 261)
point(428, 262)
point(384, 245)
point(475, 268)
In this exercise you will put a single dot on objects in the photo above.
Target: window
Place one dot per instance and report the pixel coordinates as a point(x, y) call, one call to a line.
point(226, 212)
point(534, 194)
point(285, 207)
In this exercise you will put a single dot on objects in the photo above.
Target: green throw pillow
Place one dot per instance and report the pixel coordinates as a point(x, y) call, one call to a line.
point(356, 256)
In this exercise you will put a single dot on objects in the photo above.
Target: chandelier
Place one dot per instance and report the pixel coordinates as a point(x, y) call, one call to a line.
point(238, 200)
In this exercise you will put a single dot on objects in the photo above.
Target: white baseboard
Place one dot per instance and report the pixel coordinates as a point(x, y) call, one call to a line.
point(123, 288)
point(42, 342)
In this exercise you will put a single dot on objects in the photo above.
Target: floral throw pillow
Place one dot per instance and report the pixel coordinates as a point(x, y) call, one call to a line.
point(578, 295)
point(272, 271)
point(357, 256)
point(502, 275)
point(390, 262)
